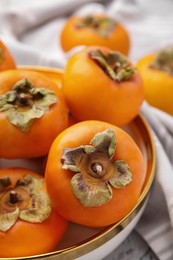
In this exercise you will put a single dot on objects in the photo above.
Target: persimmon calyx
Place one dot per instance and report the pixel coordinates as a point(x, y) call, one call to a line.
point(24, 103)
point(25, 201)
point(4, 182)
point(96, 171)
point(1, 55)
point(114, 64)
point(164, 61)
point(101, 25)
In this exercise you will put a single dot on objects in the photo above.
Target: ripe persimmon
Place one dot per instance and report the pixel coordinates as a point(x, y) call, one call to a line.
point(6, 60)
point(94, 173)
point(156, 70)
point(95, 30)
point(33, 112)
point(28, 223)
point(101, 84)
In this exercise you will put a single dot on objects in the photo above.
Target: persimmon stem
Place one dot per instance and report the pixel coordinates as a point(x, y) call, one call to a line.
point(95, 171)
point(114, 64)
point(101, 25)
point(13, 197)
point(26, 102)
point(26, 201)
point(97, 168)
point(164, 61)
point(24, 99)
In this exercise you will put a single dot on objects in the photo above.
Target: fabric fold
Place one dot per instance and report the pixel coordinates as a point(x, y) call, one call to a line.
point(31, 30)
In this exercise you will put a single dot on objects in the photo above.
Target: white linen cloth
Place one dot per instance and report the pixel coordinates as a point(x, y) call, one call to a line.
point(31, 30)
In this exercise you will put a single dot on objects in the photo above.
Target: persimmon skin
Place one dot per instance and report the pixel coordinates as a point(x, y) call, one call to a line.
point(92, 95)
point(24, 238)
point(8, 61)
point(157, 84)
point(71, 36)
point(58, 180)
point(37, 141)
point(72, 120)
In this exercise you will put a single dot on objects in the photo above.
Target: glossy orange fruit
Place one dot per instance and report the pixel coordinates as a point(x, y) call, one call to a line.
point(27, 234)
point(95, 30)
point(102, 84)
point(33, 112)
point(80, 173)
point(157, 73)
point(6, 59)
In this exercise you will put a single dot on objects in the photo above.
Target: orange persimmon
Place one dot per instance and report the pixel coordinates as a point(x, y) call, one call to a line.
point(95, 30)
point(101, 84)
point(28, 223)
point(6, 60)
point(94, 173)
point(156, 70)
point(33, 112)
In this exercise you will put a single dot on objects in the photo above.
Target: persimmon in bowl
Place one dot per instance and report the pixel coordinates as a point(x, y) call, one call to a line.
point(33, 112)
point(94, 173)
point(101, 84)
point(88, 242)
point(26, 215)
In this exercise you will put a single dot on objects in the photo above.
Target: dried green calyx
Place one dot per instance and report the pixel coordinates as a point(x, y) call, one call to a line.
point(96, 171)
point(1, 55)
point(164, 61)
point(103, 26)
point(25, 201)
point(24, 103)
point(4, 182)
point(114, 64)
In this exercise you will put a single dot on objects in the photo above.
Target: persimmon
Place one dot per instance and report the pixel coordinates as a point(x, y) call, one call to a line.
point(156, 70)
point(101, 84)
point(95, 30)
point(94, 173)
point(6, 59)
point(28, 223)
point(33, 112)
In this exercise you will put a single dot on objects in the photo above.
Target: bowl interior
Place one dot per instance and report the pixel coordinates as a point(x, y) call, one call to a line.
point(81, 239)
